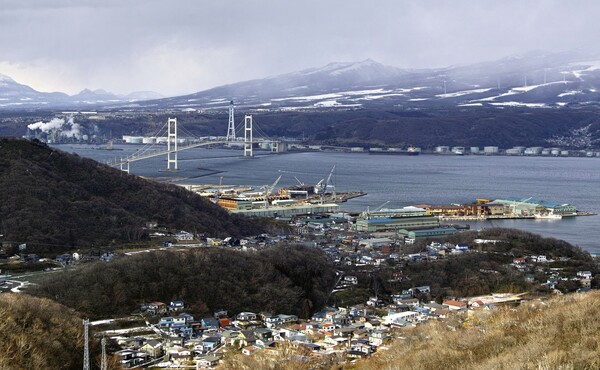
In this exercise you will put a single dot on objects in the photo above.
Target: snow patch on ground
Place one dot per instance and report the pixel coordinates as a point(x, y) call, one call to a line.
point(519, 90)
point(591, 65)
point(352, 95)
point(327, 103)
point(519, 104)
point(470, 105)
point(461, 93)
point(102, 322)
point(375, 97)
point(418, 99)
point(126, 331)
point(310, 97)
point(570, 92)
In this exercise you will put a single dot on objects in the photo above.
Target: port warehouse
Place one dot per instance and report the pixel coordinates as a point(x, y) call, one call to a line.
point(421, 217)
point(427, 233)
point(280, 211)
point(511, 206)
point(532, 206)
point(397, 223)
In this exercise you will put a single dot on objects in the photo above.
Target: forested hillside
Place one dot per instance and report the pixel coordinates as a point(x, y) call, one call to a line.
point(53, 201)
point(291, 280)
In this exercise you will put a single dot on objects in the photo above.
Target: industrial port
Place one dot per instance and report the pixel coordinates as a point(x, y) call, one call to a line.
point(411, 222)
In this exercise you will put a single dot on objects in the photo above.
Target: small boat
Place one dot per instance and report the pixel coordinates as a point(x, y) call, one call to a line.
point(547, 216)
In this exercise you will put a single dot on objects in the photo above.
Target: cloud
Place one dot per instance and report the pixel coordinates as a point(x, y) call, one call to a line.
point(183, 46)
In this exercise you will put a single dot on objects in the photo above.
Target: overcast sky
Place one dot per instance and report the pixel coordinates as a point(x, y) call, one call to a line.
point(183, 46)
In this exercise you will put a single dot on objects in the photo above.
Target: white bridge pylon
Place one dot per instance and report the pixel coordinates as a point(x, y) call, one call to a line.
point(231, 125)
point(172, 139)
point(248, 136)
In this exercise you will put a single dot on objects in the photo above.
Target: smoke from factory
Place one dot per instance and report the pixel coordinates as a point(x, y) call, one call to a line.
point(58, 127)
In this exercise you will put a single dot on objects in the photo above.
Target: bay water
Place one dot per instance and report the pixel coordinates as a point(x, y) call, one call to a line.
point(401, 180)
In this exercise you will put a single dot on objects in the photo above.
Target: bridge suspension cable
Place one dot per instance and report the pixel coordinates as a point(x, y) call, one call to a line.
point(172, 130)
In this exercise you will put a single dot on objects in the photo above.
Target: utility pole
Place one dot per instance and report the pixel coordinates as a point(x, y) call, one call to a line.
point(86, 348)
point(103, 364)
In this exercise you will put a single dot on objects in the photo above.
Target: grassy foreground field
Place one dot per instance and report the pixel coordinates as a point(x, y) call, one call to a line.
point(556, 333)
point(559, 333)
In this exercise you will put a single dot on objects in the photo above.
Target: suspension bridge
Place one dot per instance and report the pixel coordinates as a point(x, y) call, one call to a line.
point(173, 142)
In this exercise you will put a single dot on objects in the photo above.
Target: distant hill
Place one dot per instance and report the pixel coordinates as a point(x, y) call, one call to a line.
point(16, 97)
point(52, 201)
point(568, 128)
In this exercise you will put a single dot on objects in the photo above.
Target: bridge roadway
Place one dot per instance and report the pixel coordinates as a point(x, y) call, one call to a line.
point(134, 158)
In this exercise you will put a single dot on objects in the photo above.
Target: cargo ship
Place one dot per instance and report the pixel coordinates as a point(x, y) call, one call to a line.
point(395, 151)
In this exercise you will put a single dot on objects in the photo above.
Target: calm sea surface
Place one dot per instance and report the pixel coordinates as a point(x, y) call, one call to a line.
point(424, 179)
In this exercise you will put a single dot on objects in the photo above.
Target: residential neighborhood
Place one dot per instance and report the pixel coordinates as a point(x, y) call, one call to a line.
point(165, 334)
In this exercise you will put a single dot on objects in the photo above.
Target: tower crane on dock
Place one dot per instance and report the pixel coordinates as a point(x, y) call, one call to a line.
point(218, 191)
point(324, 184)
point(367, 214)
point(516, 204)
point(269, 189)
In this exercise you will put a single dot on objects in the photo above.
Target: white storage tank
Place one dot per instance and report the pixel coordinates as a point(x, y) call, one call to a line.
point(490, 149)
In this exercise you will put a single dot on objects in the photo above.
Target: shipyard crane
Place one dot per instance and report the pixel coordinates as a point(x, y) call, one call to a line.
point(324, 184)
point(269, 189)
point(367, 214)
point(218, 191)
point(515, 204)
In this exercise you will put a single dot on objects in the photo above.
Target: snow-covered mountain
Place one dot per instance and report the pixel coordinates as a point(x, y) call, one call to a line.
point(533, 80)
point(14, 95)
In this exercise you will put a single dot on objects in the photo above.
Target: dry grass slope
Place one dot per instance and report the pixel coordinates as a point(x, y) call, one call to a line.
point(561, 333)
point(38, 333)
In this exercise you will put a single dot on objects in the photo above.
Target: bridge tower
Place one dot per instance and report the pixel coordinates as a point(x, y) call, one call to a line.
point(231, 125)
point(124, 165)
point(172, 143)
point(248, 136)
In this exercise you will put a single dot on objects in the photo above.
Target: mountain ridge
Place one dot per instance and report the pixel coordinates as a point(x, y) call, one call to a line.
point(536, 79)
point(517, 80)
